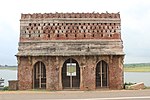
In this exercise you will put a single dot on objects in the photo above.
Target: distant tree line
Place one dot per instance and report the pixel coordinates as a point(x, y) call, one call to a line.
point(8, 66)
point(137, 65)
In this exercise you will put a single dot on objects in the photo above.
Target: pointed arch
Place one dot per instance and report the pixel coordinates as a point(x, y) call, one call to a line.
point(39, 75)
point(101, 74)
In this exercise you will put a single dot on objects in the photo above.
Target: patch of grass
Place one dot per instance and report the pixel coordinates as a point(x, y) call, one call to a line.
point(137, 69)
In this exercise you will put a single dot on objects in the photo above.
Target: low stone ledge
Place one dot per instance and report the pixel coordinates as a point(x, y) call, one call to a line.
point(137, 86)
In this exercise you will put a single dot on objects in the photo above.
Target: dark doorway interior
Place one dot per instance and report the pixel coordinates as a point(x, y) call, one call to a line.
point(39, 79)
point(101, 74)
point(71, 81)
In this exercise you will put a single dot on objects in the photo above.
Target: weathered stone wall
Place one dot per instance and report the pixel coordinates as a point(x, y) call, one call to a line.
point(70, 47)
point(87, 66)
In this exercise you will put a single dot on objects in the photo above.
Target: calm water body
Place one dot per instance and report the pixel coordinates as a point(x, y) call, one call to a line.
point(8, 75)
point(137, 77)
point(134, 77)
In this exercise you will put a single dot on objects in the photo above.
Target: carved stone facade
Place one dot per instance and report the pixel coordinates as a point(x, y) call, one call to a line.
point(51, 41)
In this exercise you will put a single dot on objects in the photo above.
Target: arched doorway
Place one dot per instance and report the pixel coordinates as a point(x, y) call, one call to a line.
point(39, 76)
point(70, 74)
point(101, 74)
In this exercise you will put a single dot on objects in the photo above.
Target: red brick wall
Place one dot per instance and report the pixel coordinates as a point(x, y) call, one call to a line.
point(94, 26)
point(87, 71)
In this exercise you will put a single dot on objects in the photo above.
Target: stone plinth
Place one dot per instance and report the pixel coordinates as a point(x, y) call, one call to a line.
point(13, 85)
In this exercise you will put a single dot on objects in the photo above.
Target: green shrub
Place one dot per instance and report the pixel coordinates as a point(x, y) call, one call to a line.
point(6, 88)
point(147, 87)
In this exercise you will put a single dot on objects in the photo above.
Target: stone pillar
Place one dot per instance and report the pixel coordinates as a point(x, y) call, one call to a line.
point(48, 73)
point(88, 74)
point(116, 70)
point(53, 74)
point(24, 74)
point(60, 71)
point(81, 78)
point(60, 78)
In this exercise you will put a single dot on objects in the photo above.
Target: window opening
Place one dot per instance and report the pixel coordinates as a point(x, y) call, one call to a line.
point(30, 24)
point(84, 35)
point(93, 35)
point(66, 35)
point(75, 35)
point(29, 35)
point(48, 35)
point(110, 35)
point(57, 35)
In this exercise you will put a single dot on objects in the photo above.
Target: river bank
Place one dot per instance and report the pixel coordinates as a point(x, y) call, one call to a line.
point(140, 67)
point(137, 69)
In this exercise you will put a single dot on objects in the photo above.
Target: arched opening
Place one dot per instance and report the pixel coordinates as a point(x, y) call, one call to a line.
point(39, 76)
point(70, 74)
point(101, 74)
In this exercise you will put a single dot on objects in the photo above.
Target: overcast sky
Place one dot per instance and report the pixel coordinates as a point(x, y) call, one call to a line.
point(135, 23)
